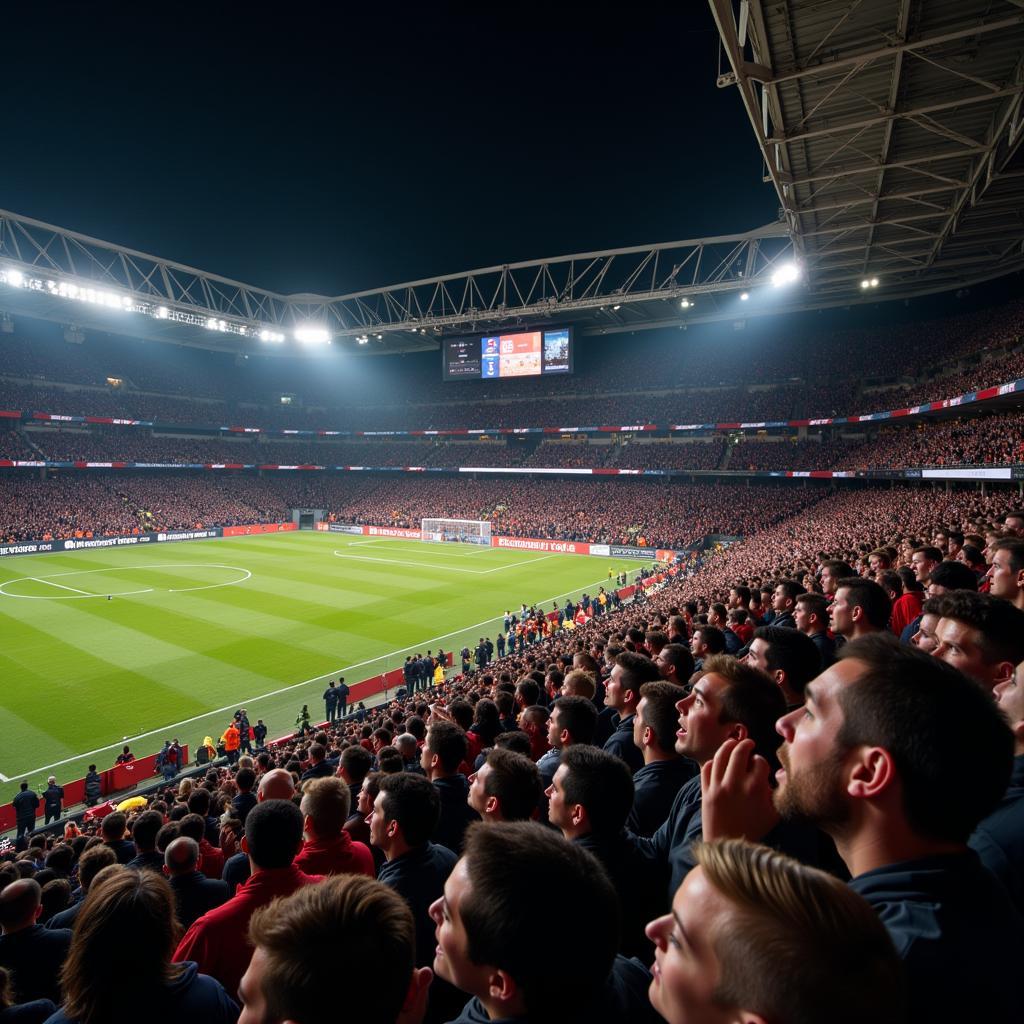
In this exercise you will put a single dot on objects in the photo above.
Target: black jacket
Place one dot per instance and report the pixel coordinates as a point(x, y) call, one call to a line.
point(655, 786)
point(195, 894)
point(25, 804)
point(456, 814)
point(999, 839)
point(621, 744)
point(35, 956)
point(959, 936)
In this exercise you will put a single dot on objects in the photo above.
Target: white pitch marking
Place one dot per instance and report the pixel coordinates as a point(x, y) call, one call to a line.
point(449, 568)
point(294, 686)
point(36, 579)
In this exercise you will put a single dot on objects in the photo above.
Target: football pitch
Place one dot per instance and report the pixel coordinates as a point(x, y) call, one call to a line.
point(192, 631)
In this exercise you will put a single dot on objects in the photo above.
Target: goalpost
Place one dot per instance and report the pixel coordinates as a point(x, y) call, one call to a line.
point(462, 531)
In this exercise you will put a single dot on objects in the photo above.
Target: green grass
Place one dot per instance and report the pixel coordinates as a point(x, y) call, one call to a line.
point(195, 628)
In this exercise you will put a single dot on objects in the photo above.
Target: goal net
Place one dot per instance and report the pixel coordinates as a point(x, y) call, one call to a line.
point(461, 531)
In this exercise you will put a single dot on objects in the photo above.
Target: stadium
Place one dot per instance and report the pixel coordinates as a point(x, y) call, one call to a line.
point(684, 579)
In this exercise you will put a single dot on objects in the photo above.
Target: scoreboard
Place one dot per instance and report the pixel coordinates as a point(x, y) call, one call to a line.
point(531, 353)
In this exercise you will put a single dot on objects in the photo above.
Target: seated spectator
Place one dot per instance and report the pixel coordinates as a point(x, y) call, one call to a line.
point(90, 864)
point(981, 635)
point(622, 693)
point(34, 1012)
point(273, 836)
point(506, 787)
point(444, 751)
point(245, 800)
point(871, 765)
point(572, 720)
point(301, 940)
point(999, 839)
point(194, 893)
point(144, 830)
point(328, 849)
point(755, 936)
point(787, 655)
point(811, 618)
point(664, 771)
point(588, 801)
point(487, 933)
point(34, 955)
point(132, 913)
point(860, 607)
point(113, 828)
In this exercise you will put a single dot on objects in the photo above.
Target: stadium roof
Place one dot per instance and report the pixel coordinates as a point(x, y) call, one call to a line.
point(890, 129)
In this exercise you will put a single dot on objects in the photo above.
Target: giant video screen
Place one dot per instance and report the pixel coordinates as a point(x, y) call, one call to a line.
point(531, 353)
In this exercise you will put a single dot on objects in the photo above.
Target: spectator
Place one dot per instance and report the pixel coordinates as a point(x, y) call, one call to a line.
point(506, 787)
point(144, 830)
point(860, 607)
point(328, 849)
point(981, 635)
point(32, 954)
point(102, 987)
point(34, 1012)
point(194, 893)
point(622, 693)
point(443, 753)
point(788, 656)
point(90, 864)
point(812, 619)
point(273, 837)
point(572, 720)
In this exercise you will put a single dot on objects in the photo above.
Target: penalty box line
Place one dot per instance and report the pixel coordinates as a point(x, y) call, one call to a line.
point(287, 689)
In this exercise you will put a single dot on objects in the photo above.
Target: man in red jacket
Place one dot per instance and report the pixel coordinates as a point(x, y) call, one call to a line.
point(217, 941)
point(329, 849)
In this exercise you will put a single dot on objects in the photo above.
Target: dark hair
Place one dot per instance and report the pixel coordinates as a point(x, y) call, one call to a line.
point(601, 783)
point(246, 778)
point(680, 658)
point(273, 833)
point(999, 624)
point(742, 592)
point(837, 567)
point(933, 554)
point(145, 828)
point(448, 742)
point(870, 597)
point(1015, 545)
point(816, 605)
point(461, 712)
point(578, 716)
point(790, 588)
point(504, 861)
point(486, 723)
point(792, 652)
point(348, 920)
point(528, 690)
point(753, 700)
point(712, 637)
point(660, 714)
point(357, 762)
point(113, 825)
point(954, 576)
point(414, 802)
point(636, 670)
point(515, 740)
point(515, 781)
point(911, 703)
point(199, 802)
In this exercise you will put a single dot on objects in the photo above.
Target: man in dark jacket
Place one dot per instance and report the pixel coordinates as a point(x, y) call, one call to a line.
point(622, 693)
point(343, 692)
point(331, 701)
point(53, 800)
point(194, 893)
point(26, 803)
point(444, 750)
point(32, 953)
point(93, 787)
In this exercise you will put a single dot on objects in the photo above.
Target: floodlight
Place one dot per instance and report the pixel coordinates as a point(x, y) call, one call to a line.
point(686, 303)
point(865, 284)
point(161, 312)
point(15, 278)
point(310, 334)
point(788, 273)
point(617, 306)
point(744, 296)
point(874, 282)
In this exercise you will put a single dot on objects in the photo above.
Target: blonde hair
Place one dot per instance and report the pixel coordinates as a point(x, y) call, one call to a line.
point(802, 947)
point(327, 801)
point(579, 683)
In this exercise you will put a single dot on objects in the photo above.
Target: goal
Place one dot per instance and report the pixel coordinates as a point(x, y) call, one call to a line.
point(462, 531)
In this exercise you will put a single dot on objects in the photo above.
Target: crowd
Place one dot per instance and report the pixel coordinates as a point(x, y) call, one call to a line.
point(732, 799)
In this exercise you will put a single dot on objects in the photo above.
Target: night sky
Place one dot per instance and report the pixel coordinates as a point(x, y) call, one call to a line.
point(312, 149)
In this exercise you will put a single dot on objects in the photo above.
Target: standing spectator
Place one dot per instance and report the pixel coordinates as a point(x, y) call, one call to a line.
point(443, 752)
point(244, 800)
point(132, 912)
point(343, 694)
point(622, 692)
point(232, 741)
point(330, 696)
point(26, 803)
point(125, 757)
point(53, 800)
point(93, 787)
point(259, 732)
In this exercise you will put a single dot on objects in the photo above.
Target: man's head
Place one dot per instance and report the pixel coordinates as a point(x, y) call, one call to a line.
point(507, 787)
point(576, 683)
point(811, 613)
point(1014, 522)
point(675, 664)
point(1010, 696)
point(947, 576)
point(706, 641)
point(113, 826)
point(832, 571)
point(788, 656)
point(277, 784)
point(144, 830)
point(784, 596)
point(444, 750)
point(923, 560)
point(925, 638)
point(654, 727)
point(92, 862)
point(591, 793)
point(181, 857)
point(861, 606)
point(487, 930)
point(981, 635)
point(1007, 573)
point(300, 940)
point(405, 813)
point(754, 936)
point(731, 700)
point(355, 764)
point(20, 905)
point(872, 747)
point(573, 720)
point(325, 807)
point(629, 673)
point(273, 834)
